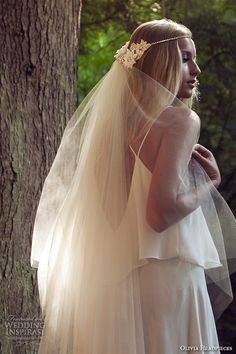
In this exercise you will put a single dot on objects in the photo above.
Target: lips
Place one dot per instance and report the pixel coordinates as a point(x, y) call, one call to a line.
point(192, 83)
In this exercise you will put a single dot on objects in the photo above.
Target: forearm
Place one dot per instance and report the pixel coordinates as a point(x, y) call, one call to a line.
point(189, 201)
point(184, 204)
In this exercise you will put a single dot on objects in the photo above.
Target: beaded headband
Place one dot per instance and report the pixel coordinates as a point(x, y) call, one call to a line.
point(129, 56)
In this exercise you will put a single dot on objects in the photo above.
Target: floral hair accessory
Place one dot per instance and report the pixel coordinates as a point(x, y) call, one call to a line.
point(129, 56)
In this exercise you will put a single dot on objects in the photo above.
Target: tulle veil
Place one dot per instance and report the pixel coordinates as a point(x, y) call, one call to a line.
point(86, 239)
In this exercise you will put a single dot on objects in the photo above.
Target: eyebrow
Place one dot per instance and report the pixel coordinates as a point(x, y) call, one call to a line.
point(186, 51)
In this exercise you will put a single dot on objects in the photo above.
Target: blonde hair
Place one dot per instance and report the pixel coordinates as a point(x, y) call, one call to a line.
point(162, 61)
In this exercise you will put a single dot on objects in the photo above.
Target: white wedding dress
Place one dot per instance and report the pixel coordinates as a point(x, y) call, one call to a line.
point(176, 309)
point(161, 307)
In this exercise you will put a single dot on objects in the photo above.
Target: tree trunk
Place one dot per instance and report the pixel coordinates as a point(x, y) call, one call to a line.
point(38, 84)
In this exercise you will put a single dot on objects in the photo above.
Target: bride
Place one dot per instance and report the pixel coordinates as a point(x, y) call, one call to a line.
point(131, 237)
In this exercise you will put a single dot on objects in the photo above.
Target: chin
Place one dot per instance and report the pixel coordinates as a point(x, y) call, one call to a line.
point(185, 95)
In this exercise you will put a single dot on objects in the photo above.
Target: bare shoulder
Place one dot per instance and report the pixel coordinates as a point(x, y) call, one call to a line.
point(179, 116)
point(173, 112)
point(195, 117)
point(173, 122)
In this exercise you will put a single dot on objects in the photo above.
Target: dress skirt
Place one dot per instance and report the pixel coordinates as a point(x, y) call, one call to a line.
point(176, 308)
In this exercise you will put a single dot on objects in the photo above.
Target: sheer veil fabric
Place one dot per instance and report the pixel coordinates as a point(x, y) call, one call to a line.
point(86, 240)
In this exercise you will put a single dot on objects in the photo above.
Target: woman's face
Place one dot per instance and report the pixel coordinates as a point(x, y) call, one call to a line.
point(190, 69)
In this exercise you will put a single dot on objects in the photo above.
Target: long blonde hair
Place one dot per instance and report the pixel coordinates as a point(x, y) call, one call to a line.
point(162, 61)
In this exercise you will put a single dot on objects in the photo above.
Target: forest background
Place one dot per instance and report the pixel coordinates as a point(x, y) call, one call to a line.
point(50, 93)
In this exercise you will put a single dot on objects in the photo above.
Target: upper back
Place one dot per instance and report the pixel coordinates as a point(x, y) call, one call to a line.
point(147, 146)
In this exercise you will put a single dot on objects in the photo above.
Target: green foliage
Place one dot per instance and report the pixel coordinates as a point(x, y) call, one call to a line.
point(98, 55)
point(105, 31)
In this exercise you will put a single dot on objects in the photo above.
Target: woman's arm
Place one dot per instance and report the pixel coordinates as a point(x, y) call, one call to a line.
point(165, 205)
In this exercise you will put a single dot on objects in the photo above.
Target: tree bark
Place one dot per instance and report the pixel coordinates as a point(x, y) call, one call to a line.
point(38, 84)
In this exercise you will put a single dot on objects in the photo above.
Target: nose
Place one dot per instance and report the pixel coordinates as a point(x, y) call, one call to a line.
point(195, 69)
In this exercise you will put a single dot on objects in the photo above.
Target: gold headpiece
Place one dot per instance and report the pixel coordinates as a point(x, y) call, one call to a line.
point(129, 56)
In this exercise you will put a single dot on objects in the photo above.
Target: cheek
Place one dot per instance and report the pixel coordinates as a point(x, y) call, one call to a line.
point(184, 91)
point(184, 72)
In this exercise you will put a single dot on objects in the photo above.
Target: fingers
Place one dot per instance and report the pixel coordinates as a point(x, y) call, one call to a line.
point(199, 157)
point(202, 159)
point(202, 150)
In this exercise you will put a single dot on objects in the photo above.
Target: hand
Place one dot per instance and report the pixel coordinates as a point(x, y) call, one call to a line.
point(208, 162)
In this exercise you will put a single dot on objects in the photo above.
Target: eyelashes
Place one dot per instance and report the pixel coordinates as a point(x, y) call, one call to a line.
point(185, 59)
point(187, 55)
